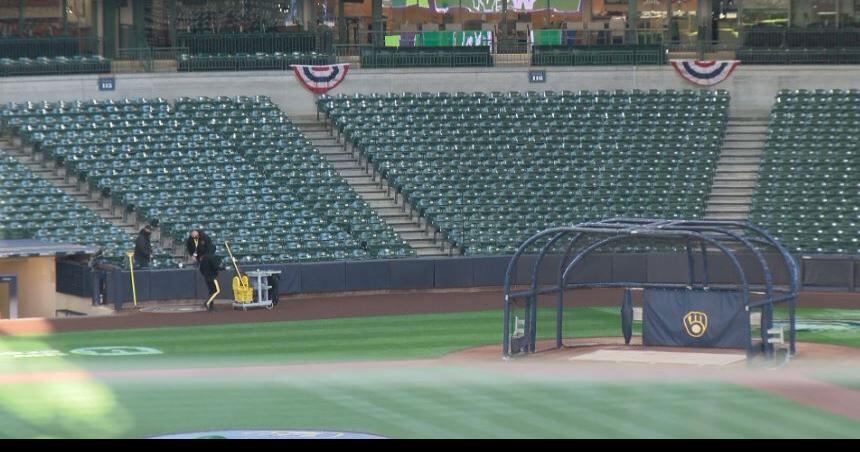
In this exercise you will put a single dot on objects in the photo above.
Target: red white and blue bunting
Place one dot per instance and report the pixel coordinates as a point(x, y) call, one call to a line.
point(704, 73)
point(321, 79)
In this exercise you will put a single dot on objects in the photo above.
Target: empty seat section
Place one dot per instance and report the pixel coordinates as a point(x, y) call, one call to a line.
point(489, 169)
point(31, 207)
point(236, 167)
point(808, 190)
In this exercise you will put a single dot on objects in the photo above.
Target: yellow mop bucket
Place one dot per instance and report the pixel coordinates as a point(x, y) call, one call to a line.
point(242, 290)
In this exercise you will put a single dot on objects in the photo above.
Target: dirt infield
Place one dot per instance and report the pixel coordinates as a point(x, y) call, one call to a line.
point(354, 305)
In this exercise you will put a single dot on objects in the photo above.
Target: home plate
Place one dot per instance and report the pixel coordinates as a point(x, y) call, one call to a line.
point(653, 357)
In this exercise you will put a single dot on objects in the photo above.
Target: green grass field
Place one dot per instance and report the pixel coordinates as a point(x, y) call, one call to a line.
point(389, 399)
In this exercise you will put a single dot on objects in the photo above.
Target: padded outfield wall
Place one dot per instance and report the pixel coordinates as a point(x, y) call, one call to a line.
point(830, 273)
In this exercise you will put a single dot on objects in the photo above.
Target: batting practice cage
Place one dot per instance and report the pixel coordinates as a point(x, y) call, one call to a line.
point(723, 280)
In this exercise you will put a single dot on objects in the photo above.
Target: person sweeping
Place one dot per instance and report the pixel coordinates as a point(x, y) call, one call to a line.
point(202, 250)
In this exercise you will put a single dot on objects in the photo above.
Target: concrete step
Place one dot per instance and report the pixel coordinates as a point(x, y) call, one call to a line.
point(419, 236)
point(66, 186)
point(745, 127)
point(731, 192)
point(424, 244)
point(728, 201)
point(409, 228)
point(330, 150)
point(27, 160)
point(754, 144)
point(731, 141)
point(750, 126)
point(361, 181)
point(18, 152)
point(750, 153)
point(725, 216)
point(340, 157)
point(366, 188)
point(314, 130)
point(346, 165)
point(737, 169)
point(353, 172)
point(391, 212)
point(745, 130)
point(398, 220)
point(723, 208)
point(327, 143)
point(764, 120)
point(733, 174)
point(733, 160)
point(733, 184)
point(358, 176)
point(373, 195)
point(384, 203)
point(723, 168)
point(431, 252)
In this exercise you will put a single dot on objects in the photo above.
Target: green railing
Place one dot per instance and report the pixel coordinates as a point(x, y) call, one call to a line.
point(703, 49)
point(598, 55)
point(244, 62)
point(569, 37)
point(426, 57)
point(799, 56)
point(66, 46)
point(806, 38)
point(303, 42)
point(350, 50)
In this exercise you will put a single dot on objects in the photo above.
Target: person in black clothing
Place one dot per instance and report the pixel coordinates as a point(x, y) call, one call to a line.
point(198, 245)
point(209, 267)
point(201, 248)
point(143, 248)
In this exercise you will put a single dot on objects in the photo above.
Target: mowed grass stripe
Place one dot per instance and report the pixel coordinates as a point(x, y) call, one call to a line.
point(610, 410)
point(482, 323)
point(429, 335)
point(668, 420)
point(436, 406)
point(370, 338)
point(700, 409)
point(531, 405)
point(463, 408)
point(498, 417)
point(794, 420)
point(384, 419)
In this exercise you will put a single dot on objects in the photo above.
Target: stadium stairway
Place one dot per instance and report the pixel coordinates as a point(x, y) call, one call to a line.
point(737, 169)
point(392, 209)
point(80, 192)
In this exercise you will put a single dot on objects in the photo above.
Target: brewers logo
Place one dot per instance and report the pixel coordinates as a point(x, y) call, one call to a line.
point(696, 323)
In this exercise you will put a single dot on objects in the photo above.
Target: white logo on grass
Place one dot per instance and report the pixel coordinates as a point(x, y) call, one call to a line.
point(822, 325)
point(116, 351)
point(32, 354)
